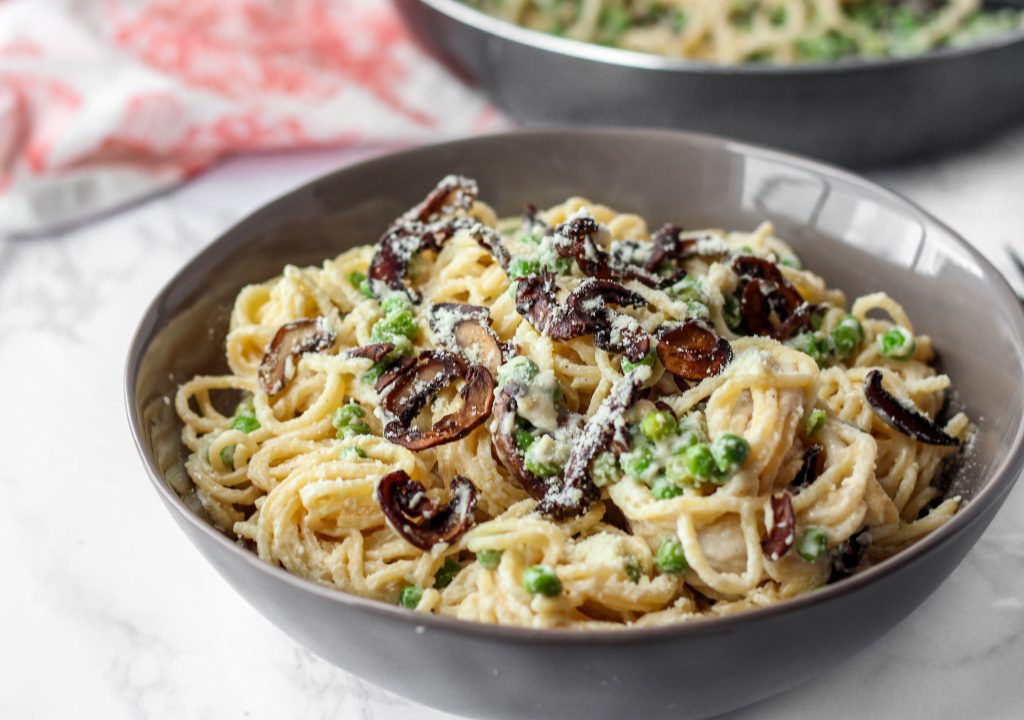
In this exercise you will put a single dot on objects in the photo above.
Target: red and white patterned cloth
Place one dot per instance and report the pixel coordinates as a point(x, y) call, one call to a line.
point(106, 101)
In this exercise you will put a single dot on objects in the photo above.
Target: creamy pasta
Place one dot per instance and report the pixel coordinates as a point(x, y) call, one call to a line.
point(567, 420)
point(781, 31)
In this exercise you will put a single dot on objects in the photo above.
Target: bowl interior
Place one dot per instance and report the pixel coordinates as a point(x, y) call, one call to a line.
point(859, 237)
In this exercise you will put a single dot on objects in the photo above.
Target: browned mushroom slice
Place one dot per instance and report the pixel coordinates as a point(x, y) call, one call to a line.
point(375, 351)
point(505, 407)
point(754, 309)
point(405, 391)
point(846, 558)
point(453, 193)
point(667, 245)
point(692, 351)
point(780, 294)
point(585, 311)
point(404, 240)
point(783, 530)
point(467, 329)
point(902, 416)
point(802, 320)
point(576, 239)
point(811, 466)
point(398, 247)
point(578, 491)
point(290, 342)
point(417, 518)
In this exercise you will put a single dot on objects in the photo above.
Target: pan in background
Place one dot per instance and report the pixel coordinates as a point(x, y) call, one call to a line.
point(852, 112)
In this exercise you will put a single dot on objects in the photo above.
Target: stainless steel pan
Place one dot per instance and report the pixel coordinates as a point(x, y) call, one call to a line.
point(853, 112)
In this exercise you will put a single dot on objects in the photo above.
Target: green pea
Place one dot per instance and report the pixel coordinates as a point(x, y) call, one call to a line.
point(778, 16)
point(615, 21)
point(489, 559)
point(354, 451)
point(410, 597)
point(447, 572)
point(521, 267)
point(605, 469)
point(847, 336)
point(524, 439)
point(227, 456)
point(396, 303)
point(638, 459)
point(361, 283)
point(664, 489)
point(348, 421)
point(813, 543)
point(897, 343)
point(670, 557)
point(519, 369)
point(559, 265)
point(677, 20)
point(658, 424)
point(629, 366)
point(732, 314)
point(816, 421)
point(245, 418)
point(830, 46)
point(633, 569)
point(700, 462)
point(730, 451)
point(689, 289)
point(542, 580)
point(677, 470)
point(815, 345)
point(399, 324)
point(539, 465)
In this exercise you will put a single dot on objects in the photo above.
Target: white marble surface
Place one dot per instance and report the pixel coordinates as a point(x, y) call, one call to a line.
point(106, 610)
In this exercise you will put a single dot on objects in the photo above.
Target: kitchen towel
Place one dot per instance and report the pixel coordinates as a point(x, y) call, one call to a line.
point(103, 102)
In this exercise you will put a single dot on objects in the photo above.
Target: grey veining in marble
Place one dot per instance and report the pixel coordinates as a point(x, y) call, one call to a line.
point(106, 611)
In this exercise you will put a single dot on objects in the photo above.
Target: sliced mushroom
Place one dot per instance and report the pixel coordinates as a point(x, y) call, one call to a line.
point(782, 534)
point(902, 416)
point(467, 329)
point(811, 467)
point(667, 245)
point(578, 490)
point(754, 309)
point(417, 518)
point(576, 239)
point(692, 351)
point(375, 351)
point(405, 391)
point(505, 407)
point(453, 193)
point(847, 556)
point(764, 289)
point(802, 320)
point(290, 342)
point(585, 311)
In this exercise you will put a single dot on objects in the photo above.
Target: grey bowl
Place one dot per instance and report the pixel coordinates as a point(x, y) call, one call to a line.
point(859, 236)
point(852, 112)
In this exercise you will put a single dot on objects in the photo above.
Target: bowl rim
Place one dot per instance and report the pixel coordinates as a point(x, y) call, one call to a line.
point(582, 50)
point(1001, 481)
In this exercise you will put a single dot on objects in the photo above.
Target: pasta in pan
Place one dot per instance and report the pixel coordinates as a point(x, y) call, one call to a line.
point(780, 31)
point(566, 420)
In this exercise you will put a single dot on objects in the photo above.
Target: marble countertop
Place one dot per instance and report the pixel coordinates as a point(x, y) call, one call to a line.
point(107, 611)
